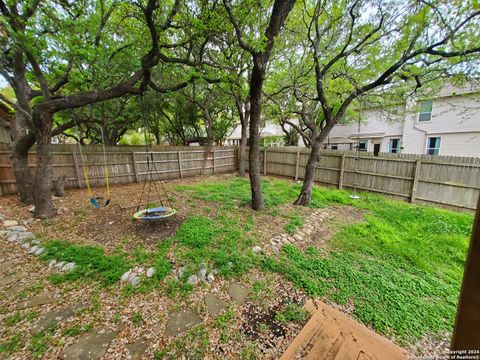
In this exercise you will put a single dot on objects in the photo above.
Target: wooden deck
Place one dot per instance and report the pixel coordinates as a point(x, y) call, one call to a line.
point(330, 334)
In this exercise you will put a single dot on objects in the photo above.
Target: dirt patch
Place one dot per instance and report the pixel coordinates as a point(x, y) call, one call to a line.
point(112, 226)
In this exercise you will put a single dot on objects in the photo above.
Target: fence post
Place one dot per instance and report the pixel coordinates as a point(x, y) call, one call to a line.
point(297, 161)
point(265, 162)
point(418, 166)
point(77, 169)
point(179, 155)
point(135, 169)
point(214, 161)
point(342, 170)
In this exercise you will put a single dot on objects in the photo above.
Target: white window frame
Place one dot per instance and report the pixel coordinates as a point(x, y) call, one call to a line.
point(420, 113)
point(435, 148)
point(399, 148)
point(366, 145)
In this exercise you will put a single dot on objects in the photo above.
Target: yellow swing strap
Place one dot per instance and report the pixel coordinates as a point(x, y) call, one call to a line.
point(85, 175)
point(105, 164)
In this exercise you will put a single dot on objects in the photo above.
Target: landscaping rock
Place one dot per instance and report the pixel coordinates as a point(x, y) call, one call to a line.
point(214, 304)
point(192, 280)
point(33, 249)
point(3, 233)
point(181, 271)
point(13, 237)
point(25, 236)
point(210, 277)
point(17, 228)
point(181, 321)
point(59, 265)
point(256, 249)
point(52, 263)
point(125, 276)
point(202, 274)
point(26, 246)
point(9, 223)
point(238, 292)
point(68, 267)
point(90, 346)
point(135, 350)
point(298, 237)
point(39, 252)
point(275, 250)
point(150, 272)
point(134, 280)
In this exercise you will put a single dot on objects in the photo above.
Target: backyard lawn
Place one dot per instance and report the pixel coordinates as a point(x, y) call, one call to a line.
point(393, 266)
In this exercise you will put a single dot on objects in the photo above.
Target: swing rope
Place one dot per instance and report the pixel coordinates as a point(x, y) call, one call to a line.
point(94, 199)
point(151, 213)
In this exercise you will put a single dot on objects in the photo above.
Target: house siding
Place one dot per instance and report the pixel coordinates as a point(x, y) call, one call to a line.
point(456, 119)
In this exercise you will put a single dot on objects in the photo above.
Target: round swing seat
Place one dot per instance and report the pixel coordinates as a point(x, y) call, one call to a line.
point(157, 213)
point(98, 202)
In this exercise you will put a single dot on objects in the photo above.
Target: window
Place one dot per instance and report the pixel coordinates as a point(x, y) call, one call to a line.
point(395, 146)
point(362, 145)
point(425, 111)
point(334, 147)
point(433, 146)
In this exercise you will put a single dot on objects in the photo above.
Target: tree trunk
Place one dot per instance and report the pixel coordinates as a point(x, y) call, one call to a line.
point(21, 171)
point(306, 194)
point(208, 129)
point(258, 75)
point(241, 150)
point(43, 171)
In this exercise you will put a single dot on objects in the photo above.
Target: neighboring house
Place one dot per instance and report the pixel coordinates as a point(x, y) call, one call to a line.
point(449, 124)
point(270, 135)
point(6, 115)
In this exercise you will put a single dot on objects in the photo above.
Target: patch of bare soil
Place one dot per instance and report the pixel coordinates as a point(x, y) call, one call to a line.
point(112, 226)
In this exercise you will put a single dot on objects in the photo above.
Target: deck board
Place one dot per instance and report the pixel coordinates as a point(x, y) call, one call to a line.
point(332, 335)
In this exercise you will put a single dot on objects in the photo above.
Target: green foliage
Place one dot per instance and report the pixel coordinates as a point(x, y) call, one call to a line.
point(137, 319)
point(92, 263)
point(295, 222)
point(192, 345)
point(13, 319)
point(218, 241)
point(236, 192)
point(11, 344)
point(77, 329)
point(401, 268)
point(41, 342)
point(292, 313)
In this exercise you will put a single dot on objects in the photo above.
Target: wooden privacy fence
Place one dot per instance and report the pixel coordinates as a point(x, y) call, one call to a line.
point(449, 181)
point(125, 164)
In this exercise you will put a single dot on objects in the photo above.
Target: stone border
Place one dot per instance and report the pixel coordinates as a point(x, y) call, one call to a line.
point(312, 223)
point(28, 241)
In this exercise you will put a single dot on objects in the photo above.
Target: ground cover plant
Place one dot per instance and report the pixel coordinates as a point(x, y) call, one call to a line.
point(401, 267)
point(393, 266)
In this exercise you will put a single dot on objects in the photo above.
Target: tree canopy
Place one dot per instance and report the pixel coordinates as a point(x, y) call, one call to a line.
point(183, 70)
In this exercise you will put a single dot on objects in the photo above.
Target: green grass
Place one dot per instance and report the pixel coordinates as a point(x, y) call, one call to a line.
point(292, 313)
point(220, 243)
point(92, 263)
point(192, 345)
point(10, 345)
point(276, 192)
point(40, 343)
point(295, 222)
point(401, 267)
